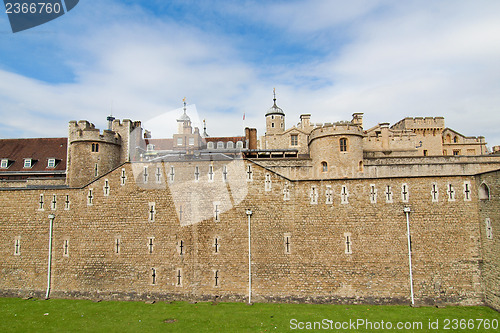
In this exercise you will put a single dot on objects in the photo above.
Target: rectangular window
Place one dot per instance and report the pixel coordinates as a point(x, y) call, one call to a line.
point(267, 183)
point(66, 247)
point(216, 278)
point(405, 195)
point(313, 194)
point(123, 177)
point(467, 191)
point(90, 197)
point(388, 194)
point(294, 140)
point(217, 211)
point(196, 173)
point(179, 141)
point(117, 245)
point(191, 141)
point(348, 243)
point(178, 277)
point(287, 242)
point(344, 195)
point(106, 187)
point(40, 203)
point(150, 244)
point(54, 202)
point(145, 174)
point(181, 248)
point(172, 174)
point(435, 193)
point(456, 152)
point(27, 163)
point(373, 194)
point(51, 163)
point(153, 276)
point(66, 203)
point(489, 229)
point(4, 164)
point(151, 212)
point(343, 144)
point(17, 246)
point(96, 170)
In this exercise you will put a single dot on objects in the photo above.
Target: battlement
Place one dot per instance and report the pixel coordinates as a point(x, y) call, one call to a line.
point(86, 131)
point(126, 123)
point(419, 123)
point(335, 129)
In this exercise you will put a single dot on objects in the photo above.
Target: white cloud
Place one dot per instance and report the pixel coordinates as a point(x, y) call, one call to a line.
point(394, 60)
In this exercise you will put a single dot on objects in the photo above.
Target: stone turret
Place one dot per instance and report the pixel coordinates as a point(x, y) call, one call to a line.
point(336, 150)
point(92, 153)
point(275, 119)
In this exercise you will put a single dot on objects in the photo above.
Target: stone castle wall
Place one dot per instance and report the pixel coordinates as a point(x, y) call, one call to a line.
point(325, 241)
point(489, 210)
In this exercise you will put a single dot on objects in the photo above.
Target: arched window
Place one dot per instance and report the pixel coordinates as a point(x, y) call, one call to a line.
point(220, 145)
point(455, 139)
point(239, 144)
point(343, 144)
point(484, 192)
point(230, 145)
point(448, 138)
point(360, 166)
point(210, 145)
point(324, 166)
point(95, 147)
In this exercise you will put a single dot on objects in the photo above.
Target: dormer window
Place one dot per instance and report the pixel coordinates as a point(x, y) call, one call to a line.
point(28, 163)
point(210, 145)
point(150, 147)
point(51, 163)
point(220, 145)
point(4, 164)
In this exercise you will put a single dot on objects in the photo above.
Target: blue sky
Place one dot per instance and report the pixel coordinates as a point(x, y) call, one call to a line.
point(389, 59)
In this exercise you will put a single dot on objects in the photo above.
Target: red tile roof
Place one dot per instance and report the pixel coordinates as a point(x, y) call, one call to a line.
point(39, 150)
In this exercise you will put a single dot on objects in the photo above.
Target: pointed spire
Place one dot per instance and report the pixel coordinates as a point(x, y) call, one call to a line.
point(275, 109)
point(205, 135)
point(184, 116)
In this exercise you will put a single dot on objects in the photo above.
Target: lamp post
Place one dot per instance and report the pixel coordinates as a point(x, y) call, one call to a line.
point(249, 214)
point(51, 221)
point(407, 211)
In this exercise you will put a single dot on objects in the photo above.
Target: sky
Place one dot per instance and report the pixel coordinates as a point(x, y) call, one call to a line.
point(388, 59)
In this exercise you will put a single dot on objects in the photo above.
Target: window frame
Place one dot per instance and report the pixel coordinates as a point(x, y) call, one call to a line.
point(343, 145)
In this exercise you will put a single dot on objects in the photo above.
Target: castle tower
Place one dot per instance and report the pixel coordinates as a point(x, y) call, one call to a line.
point(275, 119)
point(91, 153)
point(337, 150)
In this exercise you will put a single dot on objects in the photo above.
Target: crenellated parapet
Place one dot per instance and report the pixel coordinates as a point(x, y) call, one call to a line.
point(84, 131)
point(420, 123)
point(335, 129)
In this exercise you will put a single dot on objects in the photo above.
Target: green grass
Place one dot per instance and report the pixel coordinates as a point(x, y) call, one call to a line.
point(18, 315)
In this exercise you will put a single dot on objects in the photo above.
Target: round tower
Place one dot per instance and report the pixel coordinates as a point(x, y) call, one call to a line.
point(275, 119)
point(90, 153)
point(336, 150)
